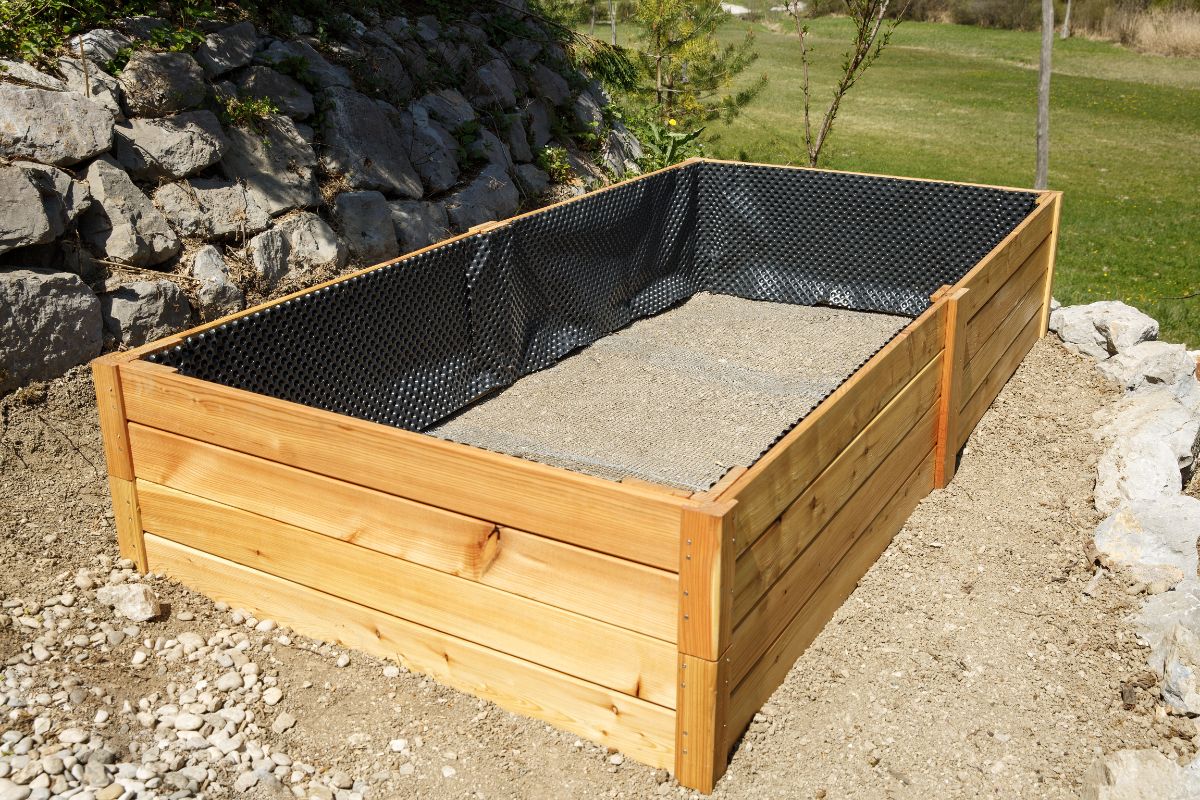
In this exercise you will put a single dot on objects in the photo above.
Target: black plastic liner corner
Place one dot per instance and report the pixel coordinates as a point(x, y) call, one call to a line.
point(411, 343)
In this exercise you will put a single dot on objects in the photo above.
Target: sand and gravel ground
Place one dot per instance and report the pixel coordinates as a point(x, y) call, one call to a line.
point(969, 662)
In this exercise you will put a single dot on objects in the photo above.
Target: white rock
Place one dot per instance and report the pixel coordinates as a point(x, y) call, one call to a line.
point(228, 682)
point(283, 722)
point(272, 696)
point(1177, 663)
point(1138, 467)
point(188, 722)
point(1155, 541)
point(1151, 364)
point(1141, 775)
point(1158, 413)
point(1102, 329)
point(398, 745)
point(448, 771)
point(133, 601)
point(343, 660)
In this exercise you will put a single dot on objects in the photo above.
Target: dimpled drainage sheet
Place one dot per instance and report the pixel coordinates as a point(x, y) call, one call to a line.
point(680, 397)
point(412, 343)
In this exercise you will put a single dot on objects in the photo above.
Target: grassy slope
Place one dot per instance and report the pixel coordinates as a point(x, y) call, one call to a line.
point(957, 103)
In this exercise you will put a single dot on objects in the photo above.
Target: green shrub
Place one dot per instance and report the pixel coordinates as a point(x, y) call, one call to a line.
point(553, 161)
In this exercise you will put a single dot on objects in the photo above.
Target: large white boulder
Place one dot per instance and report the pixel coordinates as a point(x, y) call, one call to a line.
point(1150, 364)
point(1141, 775)
point(1102, 329)
point(1155, 541)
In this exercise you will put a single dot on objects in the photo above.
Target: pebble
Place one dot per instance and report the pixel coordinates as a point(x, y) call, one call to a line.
point(229, 682)
point(343, 660)
point(398, 745)
point(616, 759)
point(449, 771)
point(283, 722)
point(186, 616)
point(272, 695)
point(73, 736)
point(139, 658)
point(188, 722)
point(391, 671)
point(246, 781)
point(39, 651)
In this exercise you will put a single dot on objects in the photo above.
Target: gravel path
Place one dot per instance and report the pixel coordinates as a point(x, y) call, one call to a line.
point(970, 662)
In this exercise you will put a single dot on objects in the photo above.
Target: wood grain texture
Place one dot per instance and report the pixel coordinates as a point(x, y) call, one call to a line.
point(770, 615)
point(974, 409)
point(945, 459)
point(700, 736)
point(985, 325)
point(641, 730)
point(994, 270)
point(110, 404)
point(705, 579)
point(775, 480)
point(771, 555)
point(1044, 322)
point(977, 369)
point(618, 659)
point(127, 517)
point(625, 521)
point(620, 592)
point(770, 669)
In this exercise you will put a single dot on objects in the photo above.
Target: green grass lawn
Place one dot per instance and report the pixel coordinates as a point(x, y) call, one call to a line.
point(958, 103)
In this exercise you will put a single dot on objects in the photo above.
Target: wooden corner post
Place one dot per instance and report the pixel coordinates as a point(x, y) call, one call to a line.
point(707, 555)
point(114, 428)
point(954, 356)
point(1044, 325)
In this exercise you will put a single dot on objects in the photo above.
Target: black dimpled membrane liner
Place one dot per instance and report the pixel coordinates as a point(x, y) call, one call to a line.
point(411, 343)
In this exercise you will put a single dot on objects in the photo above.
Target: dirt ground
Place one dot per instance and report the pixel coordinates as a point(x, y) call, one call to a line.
point(969, 662)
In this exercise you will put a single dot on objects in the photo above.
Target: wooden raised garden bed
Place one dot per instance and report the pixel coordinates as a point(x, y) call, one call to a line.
point(278, 459)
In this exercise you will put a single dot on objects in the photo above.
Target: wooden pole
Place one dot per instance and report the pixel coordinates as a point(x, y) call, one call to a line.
point(1042, 174)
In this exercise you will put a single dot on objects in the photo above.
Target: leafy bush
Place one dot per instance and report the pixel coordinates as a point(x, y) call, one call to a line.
point(553, 161)
point(664, 145)
point(252, 113)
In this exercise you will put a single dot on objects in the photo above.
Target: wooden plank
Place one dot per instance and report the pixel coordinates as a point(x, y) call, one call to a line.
point(642, 483)
point(1027, 307)
point(706, 560)
point(974, 409)
point(770, 670)
point(771, 485)
point(111, 407)
point(628, 662)
point(994, 270)
point(984, 325)
point(700, 751)
point(953, 357)
point(1044, 324)
point(128, 520)
point(624, 521)
point(621, 592)
point(770, 556)
point(642, 730)
point(770, 615)
point(719, 488)
point(798, 168)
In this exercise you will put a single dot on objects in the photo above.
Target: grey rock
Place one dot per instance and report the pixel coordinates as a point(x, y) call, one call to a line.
point(228, 48)
point(134, 601)
point(418, 224)
point(415, 60)
point(493, 86)
point(621, 151)
point(218, 295)
point(538, 118)
point(142, 26)
point(142, 312)
point(49, 322)
point(489, 148)
point(1149, 364)
point(531, 180)
point(1154, 541)
point(550, 86)
point(427, 28)
point(388, 74)
point(312, 244)
point(1140, 775)
point(20, 72)
point(59, 128)
point(518, 142)
point(316, 67)
point(278, 167)
point(95, 775)
point(430, 147)
point(63, 198)
point(449, 108)
point(209, 208)
point(366, 221)
point(491, 196)
point(288, 94)
point(161, 84)
point(522, 51)
point(589, 116)
point(99, 46)
point(456, 56)
point(171, 147)
point(268, 255)
point(364, 145)
point(1102, 329)
point(93, 83)
point(1177, 663)
point(24, 220)
point(122, 223)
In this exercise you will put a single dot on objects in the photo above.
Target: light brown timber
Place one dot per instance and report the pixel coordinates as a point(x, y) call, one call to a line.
point(700, 752)
point(644, 731)
point(1043, 325)
point(127, 518)
point(945, 457)
point(974, 408)
point(706, 560)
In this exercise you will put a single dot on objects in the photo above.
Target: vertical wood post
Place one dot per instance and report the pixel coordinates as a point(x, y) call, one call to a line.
point(707, 553)
point(954, 358)
point(1044, 326)
point(115, 432)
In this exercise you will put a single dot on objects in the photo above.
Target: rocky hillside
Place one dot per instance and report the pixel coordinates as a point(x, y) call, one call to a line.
point(143, 190)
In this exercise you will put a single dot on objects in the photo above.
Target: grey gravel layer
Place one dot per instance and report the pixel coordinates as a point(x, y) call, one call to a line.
point(681, 397)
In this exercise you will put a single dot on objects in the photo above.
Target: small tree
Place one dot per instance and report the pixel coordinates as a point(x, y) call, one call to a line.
point(688, 71)
point(871, 36)
point(1042, 171)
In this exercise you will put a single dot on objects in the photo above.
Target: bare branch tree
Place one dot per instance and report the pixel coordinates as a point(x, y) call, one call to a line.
point(1065, 33)
point(1042, 173)
point(871, 36)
